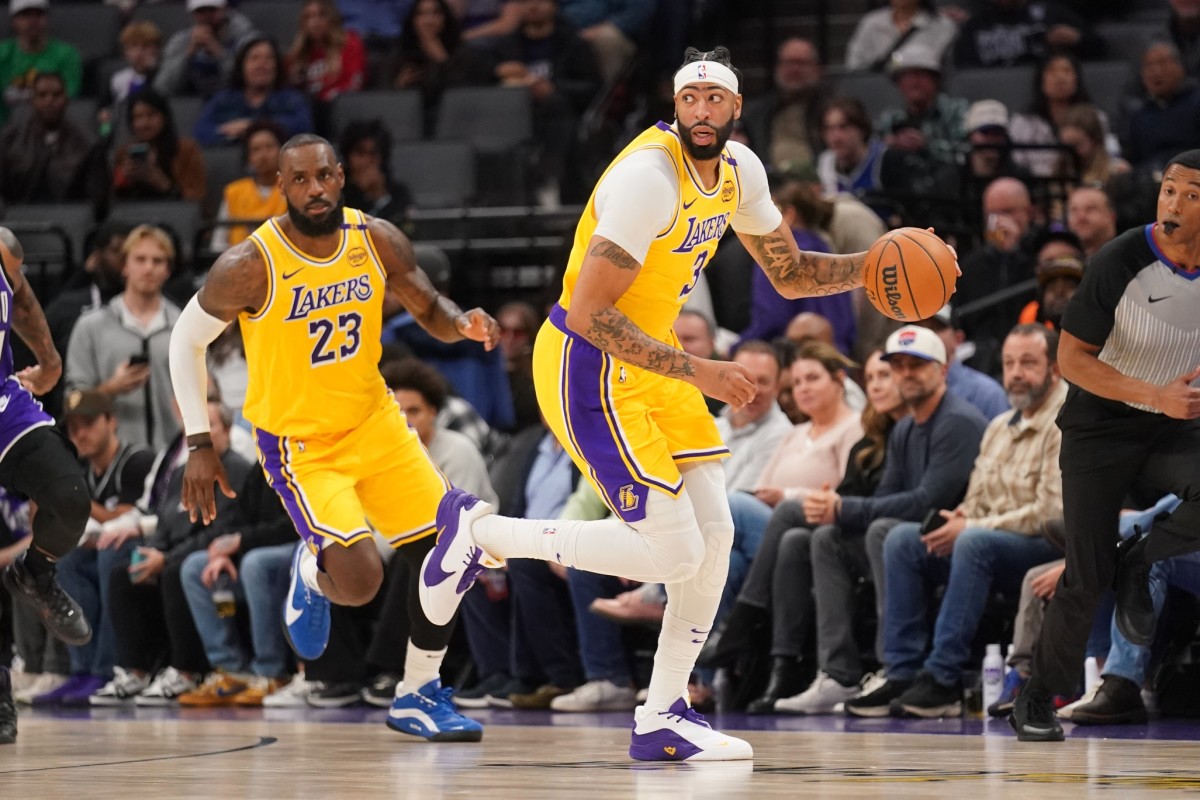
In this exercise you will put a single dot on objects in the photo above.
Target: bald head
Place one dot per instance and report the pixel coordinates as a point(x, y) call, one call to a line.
point(1008, 197)
point(807, 327)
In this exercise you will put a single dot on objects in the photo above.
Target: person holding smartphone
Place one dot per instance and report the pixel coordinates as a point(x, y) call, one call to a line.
point(158, 163)
point(120, 349)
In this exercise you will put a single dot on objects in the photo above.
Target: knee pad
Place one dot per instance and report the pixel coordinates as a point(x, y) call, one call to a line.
point(63, 508)
point(676, 541)
point(706, 488)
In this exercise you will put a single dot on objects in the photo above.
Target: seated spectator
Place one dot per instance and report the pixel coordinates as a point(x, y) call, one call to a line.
point(44, 156)
point(115, 477)
point(770, 312)
point(325, 59)
point(1005, 260)
point(431, 55)
point(981, 391)
point(783, 125)
point(612, 27)
point(1007, 32)
point(30, 52)
point(141, 46)
point(1057, 88)
point(1083, 131)
point(928, 110)
point(753, 432)
point(378, 23)
point(929, 454)
point(806, 327)
point(253, 558)
point(989, 156)
point(256, 91)
point(366, 148)
point(1169, 120)
point(776, 598)
point(481, 20)
point(547, 56)
point(1183, 26)
point(121, 349)
point(853, 156)
point(1091, 217)
point(150, 614)
point(200, 59)
point(158, 163)
point(698, 337)
point(1059, 271)
point(519, 324)
point(987, 543)
point(255, 197)
point(903, 23)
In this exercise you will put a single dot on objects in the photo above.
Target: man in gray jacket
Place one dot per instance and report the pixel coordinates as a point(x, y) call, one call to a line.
point(198, 60)
point(121, 348)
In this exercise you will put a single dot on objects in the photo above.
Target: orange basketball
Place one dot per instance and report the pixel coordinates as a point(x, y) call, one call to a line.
point(909, 274)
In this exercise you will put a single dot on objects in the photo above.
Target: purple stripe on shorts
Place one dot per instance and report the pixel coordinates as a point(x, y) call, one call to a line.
point(274, 458)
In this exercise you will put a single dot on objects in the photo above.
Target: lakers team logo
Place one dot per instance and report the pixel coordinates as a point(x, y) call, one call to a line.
point(627, 498)
point(306, 300)
point(357, 257)
point(727, 191)
point(703, 230)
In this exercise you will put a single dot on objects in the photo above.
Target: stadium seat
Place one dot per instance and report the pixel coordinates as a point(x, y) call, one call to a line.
point(186, 110)
point(1012, 86)
point(279, 19)
point(439, 174)
point(401, 111)
point(434, 261)
point(91, 27)
point(169, 17)
point(492, 119)
point(222, 166)
point(1125, 40)
point(75, 219)
point(1108, 83)
point(182, 217)
point(874, 90)
point(82, 111)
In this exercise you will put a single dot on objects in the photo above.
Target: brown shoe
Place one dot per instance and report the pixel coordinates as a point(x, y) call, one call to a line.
point(218, 689)
point(539, 698)
point(629, 608)
point(258, 688)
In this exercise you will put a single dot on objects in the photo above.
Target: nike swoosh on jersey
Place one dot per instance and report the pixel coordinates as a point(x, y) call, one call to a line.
point(292, 274)
point(1154, 299)
point(686, 206)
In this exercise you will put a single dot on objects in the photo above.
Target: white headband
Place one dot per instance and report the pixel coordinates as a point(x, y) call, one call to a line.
point(706, 72)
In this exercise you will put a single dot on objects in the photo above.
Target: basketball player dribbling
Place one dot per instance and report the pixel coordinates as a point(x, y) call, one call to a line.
point(309, 289)
point(627, 403)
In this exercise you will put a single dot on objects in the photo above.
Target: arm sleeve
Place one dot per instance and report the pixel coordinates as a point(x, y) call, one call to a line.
point(636, 201)
point(757, 213)
point(194, 331)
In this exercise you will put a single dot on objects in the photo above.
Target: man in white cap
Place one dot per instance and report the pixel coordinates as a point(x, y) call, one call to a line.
point(929, 456)
point(31, 51)
point(627, 403)
point(198, 60)
point(928, 111)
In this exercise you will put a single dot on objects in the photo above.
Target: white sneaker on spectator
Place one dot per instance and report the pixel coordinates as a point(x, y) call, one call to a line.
point(166, 688)
point(121, 690)
point(21, 680)
point(294, 695)
point(596, 696)
point(1066, 711)
point(821, 697)
point(39, 685)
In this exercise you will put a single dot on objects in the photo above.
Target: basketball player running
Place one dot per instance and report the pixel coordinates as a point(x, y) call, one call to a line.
point(37, 461)
point(627, 403)
point(309, 288)
point(1131, 349)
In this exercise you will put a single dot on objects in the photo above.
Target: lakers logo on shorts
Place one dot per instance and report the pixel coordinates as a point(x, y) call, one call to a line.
point(627, 497)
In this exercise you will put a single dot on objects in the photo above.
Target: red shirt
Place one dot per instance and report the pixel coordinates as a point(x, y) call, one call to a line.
point(322, 85)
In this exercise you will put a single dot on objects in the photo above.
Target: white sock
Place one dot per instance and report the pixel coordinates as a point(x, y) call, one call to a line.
point(421, 666)
point(308, 569)
point(665, 549)
point(679, 645)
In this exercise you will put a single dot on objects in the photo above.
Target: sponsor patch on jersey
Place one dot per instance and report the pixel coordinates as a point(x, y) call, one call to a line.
point(357, 257)
point(727, 191)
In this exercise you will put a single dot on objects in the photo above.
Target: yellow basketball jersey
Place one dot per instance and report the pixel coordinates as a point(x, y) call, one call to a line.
point(680, 251)
point(313, 349)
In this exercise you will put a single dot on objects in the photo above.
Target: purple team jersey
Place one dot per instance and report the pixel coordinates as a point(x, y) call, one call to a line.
point(19, 411)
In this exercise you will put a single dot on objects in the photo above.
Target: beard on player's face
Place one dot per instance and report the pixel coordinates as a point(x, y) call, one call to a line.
point(317, 218)
point(712, 149)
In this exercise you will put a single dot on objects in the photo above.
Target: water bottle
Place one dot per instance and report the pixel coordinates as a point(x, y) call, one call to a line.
point(222, 596)
point(993, 675)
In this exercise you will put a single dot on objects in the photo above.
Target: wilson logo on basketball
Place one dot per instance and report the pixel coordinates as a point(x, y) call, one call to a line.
point(891, 284)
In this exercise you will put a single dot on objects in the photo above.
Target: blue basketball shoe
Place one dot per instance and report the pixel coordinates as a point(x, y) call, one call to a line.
point(305, 613)
point(429, 712)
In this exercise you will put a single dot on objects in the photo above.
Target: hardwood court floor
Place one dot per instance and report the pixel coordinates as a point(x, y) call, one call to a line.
point(296, 755)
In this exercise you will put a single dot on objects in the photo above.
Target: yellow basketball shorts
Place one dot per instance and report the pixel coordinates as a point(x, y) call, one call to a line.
point(333, 486)
point(627, 430)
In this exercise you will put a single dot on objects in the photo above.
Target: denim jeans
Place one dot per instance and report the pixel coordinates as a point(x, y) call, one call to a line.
point(261, 589)
point(983, 559)
point(83, 574)
point(601, 646)
point(1127, 660)
point(750, 517)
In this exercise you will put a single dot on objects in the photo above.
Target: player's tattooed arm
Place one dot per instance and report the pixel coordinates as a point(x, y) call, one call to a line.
point(28, 319)
point(607, 273)
point(800, 273)
point(237, 282)
point(409, 287)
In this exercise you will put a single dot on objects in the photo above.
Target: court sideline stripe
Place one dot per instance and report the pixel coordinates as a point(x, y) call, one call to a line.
point(263, 741)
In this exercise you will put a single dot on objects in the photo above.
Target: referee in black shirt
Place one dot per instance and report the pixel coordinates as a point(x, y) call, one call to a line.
point(1130, 348)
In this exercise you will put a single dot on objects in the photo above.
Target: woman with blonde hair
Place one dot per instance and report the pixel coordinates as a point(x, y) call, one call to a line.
point(1082, 130)
point(325, 59)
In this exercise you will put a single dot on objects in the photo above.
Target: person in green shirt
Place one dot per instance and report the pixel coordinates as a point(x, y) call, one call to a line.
point(30, 51)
